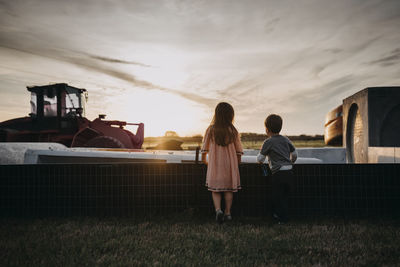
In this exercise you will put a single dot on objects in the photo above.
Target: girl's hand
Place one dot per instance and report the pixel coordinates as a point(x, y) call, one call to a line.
point(239, 158)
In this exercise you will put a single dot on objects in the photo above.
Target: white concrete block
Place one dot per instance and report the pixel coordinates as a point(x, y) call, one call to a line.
point(323, 154)
point(37, 156)
point(326, 154)
point(397, 154)
point(13, 153)
point(381, 155)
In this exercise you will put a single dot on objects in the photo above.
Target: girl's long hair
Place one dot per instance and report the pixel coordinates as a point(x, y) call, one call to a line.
point(222, 130)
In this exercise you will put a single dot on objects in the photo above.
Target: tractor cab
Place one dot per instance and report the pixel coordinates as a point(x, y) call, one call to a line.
point(57, 100)
point(57, 113)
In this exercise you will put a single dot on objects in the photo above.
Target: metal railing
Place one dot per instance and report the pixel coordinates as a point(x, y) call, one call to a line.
point(137, 189)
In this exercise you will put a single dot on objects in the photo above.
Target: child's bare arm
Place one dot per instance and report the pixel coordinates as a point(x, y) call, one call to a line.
point(204, 157)
point(239, 158)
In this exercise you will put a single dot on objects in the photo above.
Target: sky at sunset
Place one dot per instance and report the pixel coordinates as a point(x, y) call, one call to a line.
point(167, 63)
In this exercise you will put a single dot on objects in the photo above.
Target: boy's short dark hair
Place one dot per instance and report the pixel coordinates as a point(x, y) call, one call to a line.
point(274, 123)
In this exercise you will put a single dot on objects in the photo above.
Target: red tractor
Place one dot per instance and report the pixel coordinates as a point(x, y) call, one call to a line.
point(57, 115)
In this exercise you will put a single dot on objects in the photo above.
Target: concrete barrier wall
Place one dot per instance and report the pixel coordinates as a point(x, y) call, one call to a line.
point(14, 153)
point(142, 188)
point(384, 154)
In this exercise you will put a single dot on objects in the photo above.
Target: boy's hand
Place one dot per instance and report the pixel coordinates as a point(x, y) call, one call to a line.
point(293, 156)
point(260, 158)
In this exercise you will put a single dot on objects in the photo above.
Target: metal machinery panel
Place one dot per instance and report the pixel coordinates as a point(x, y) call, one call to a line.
point(371, 118)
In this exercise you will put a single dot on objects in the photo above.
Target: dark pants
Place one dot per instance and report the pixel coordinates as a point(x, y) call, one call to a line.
point(282, 186)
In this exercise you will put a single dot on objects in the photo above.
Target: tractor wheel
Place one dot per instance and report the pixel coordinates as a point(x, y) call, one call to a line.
point(104, 141)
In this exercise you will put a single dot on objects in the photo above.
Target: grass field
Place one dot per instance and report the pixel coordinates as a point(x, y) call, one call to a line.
point(296, 143)
point(187, 145)
point(196, 240)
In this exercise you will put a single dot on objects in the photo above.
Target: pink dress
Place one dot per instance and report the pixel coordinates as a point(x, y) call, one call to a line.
point(223, 170)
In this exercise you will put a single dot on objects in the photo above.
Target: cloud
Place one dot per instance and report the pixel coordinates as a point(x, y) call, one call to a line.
point(95, 66)
point(317, 96)
point(364, 45)
point(242, 87)
point(114, 60)
point(388, 60)
point(5, 8)
point(137, 82)
point(261, 56)
point(270, 25)
point(334, 50)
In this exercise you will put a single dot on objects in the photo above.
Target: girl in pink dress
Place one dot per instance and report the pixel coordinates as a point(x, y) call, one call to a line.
point(222, 143)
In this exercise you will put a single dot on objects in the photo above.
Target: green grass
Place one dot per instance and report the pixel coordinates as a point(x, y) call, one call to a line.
point(197, 240)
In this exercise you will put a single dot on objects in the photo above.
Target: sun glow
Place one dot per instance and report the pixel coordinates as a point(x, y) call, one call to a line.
point(166, 69)
point(162, 108)
point(160, 112)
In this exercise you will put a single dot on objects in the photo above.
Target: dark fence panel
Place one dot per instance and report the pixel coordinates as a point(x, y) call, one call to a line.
point(147, 188)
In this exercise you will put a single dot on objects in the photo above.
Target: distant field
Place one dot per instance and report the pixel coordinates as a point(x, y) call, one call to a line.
point(191, 145)
point(185, 145)
point(296, 143)
point(194, 240)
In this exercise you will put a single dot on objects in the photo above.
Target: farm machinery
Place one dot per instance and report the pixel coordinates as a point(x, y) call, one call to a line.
point(58, 115)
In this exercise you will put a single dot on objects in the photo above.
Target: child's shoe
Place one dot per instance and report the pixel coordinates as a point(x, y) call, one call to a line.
point(219, 216)
point(276, 217)
point(279, 220)
point(227, 217)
